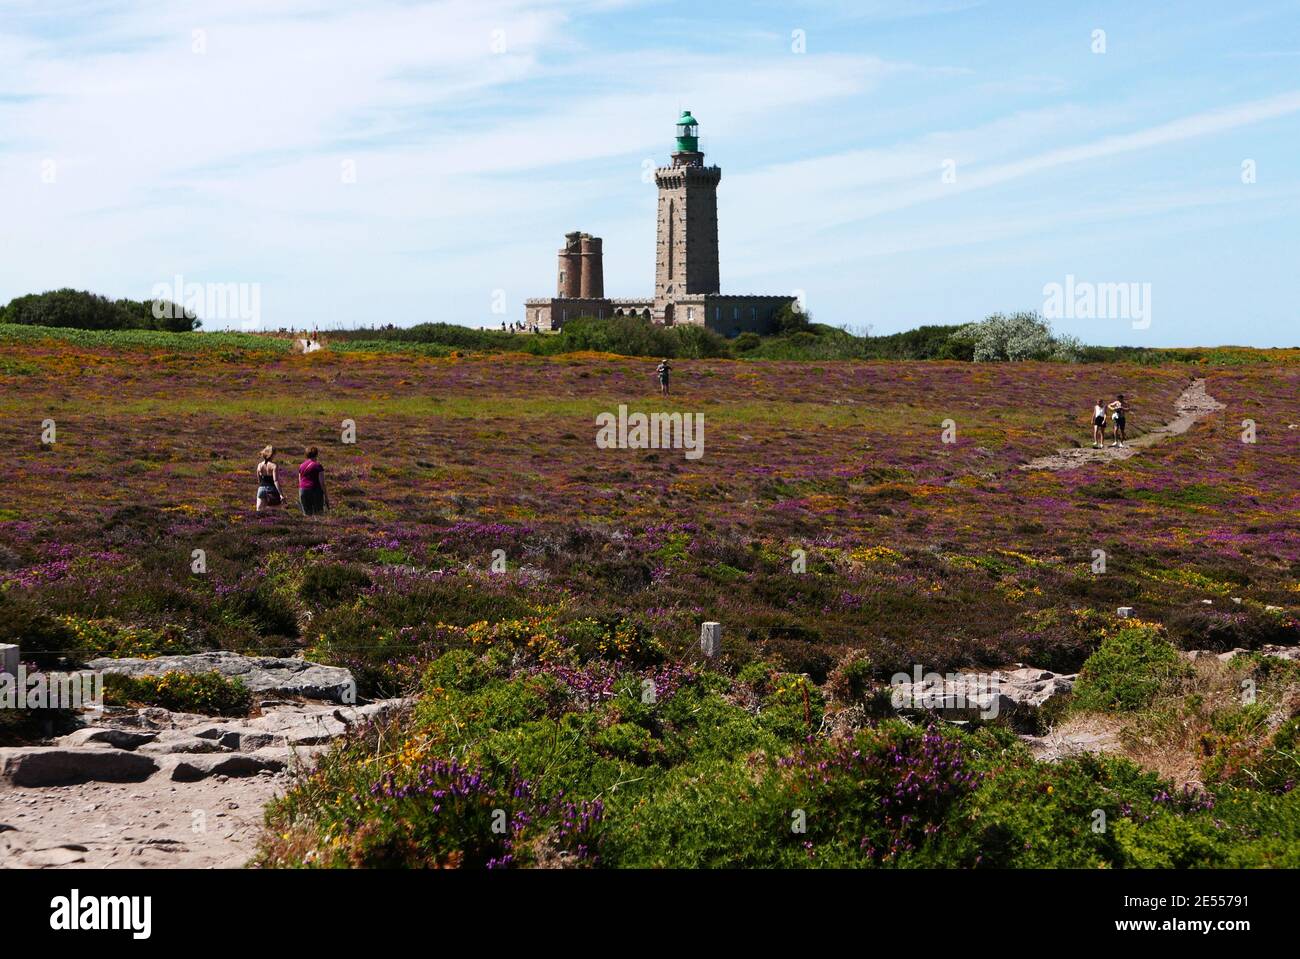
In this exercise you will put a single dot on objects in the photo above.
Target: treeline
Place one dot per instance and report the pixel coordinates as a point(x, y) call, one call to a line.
point(634, 336)
point(625, 335)
point(78, 309)
point(997, 338)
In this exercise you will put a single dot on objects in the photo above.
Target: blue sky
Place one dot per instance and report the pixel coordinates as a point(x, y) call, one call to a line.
point(140, 141)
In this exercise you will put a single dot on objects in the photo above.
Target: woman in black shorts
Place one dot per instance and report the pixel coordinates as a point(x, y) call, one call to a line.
point(268, 484)
point(1119, 409)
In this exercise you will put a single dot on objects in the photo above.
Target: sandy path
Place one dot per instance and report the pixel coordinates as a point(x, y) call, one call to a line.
point(1193, 405)
point(203, 819)
point(211, 824)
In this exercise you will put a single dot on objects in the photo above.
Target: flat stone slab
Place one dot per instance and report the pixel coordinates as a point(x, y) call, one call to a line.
point(30, 766)
point(192, 768)
point(1056, 746)
point(986, 693)
point(261, 674)
point(180, 743)
point(108, 736)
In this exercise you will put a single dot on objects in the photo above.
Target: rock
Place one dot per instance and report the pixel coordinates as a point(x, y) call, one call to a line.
point(247, 740)
point(967, 694)
point(289, 758)
point(313, 734)
point(238, 738)
point(60, 766)
point(193, 768)
point(1033, 687)
point(182, 744)
point(64, 855)
point(261, 674)
point(1058, 745)
point(108, 736)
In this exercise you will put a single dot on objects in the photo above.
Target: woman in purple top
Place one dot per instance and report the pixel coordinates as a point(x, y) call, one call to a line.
point(311, 485)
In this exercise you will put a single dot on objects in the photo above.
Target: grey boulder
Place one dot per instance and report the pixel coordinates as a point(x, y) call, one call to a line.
point(59, 766)
point(261, 674)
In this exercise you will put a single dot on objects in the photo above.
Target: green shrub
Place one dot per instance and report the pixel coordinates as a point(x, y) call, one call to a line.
point(89, 311)
point(629, 742)
point(851, 681)
point(1129, 671)
point(42, 639)
point(208, 693)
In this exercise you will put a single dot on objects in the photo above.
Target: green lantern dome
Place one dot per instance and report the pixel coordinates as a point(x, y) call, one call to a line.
point(688, 133)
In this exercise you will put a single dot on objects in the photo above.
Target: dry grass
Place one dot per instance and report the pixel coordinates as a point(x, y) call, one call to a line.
point(1176, 735)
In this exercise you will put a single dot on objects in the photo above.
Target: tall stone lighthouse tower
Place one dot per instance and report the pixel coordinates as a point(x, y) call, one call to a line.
point(686, 253)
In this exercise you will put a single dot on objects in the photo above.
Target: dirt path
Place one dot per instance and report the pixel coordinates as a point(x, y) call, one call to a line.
point(1194, 404)
point(151, 788)
point(211, 824)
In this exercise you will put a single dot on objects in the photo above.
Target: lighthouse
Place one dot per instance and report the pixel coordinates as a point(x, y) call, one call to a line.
point(686, 248)
point(687, 290)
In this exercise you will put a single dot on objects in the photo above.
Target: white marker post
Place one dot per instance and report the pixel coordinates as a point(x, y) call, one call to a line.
point(711, 639)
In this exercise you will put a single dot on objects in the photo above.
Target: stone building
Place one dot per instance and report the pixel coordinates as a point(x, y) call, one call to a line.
point(687, 287)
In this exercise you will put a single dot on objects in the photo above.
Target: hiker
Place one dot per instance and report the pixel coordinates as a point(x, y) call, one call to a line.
point(1118, 409)
point(311, 485)
point(268, 485)
point(663, 369)
point(1098, 425)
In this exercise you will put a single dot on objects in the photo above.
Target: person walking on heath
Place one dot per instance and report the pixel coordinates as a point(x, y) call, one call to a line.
point(311, 485)
point(268, 484)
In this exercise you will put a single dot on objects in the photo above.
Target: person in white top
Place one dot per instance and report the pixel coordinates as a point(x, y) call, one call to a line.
point(1098, 425)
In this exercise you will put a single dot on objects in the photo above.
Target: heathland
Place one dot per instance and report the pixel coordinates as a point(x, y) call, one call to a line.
point(849, 520)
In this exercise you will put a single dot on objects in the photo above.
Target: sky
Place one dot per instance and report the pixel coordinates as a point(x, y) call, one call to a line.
point(893, 163)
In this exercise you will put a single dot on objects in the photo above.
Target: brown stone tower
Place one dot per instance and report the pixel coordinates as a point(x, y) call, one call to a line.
point(569, 274)
point(686, 254)
point(592, 286)
point(581, 270)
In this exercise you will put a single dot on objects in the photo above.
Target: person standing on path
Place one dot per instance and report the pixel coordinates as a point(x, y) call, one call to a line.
point(662, 370)
point(1098, 425)
point(311, 485)
point(1119, 414)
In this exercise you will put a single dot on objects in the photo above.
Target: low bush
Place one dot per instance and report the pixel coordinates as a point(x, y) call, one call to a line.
point(1128, 671)
point(208, 693)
